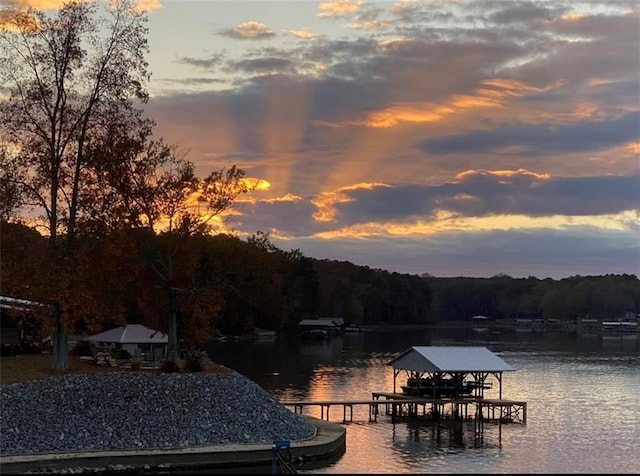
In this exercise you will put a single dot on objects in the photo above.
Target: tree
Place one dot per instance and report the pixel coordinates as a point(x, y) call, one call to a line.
point(69, 73)
point(182, 207)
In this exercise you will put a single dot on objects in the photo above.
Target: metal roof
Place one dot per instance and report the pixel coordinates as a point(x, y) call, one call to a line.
point(130, 334)
point(317, 323)
point(449, 359)
point(7, 302)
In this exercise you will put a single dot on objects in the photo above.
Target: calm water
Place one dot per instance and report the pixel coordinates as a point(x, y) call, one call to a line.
point(582, 394)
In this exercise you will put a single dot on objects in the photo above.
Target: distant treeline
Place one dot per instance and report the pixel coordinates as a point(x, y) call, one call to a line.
point(367, 296)
point(225, 284)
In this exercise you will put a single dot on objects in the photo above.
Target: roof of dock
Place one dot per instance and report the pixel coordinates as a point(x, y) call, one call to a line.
point(449, 359)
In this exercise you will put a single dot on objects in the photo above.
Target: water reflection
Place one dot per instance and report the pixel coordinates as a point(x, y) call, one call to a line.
point(583, 396)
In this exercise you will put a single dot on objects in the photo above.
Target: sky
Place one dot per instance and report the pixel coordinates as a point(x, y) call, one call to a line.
point(454, 138)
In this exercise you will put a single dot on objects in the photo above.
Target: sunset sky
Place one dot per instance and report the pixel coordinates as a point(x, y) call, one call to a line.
point(455, 138)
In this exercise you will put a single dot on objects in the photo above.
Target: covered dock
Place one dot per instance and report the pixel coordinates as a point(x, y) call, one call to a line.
point(452, 371)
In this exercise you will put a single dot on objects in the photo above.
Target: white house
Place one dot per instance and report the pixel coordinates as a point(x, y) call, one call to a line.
point(138, 340)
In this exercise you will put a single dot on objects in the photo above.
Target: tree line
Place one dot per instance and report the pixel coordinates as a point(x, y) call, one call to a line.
point(225, 284)
point(606, 297)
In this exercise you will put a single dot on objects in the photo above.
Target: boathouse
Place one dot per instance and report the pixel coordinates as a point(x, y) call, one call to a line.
point(450, 363)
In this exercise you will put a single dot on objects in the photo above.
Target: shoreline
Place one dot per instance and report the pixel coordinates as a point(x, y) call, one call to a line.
point(328, 443)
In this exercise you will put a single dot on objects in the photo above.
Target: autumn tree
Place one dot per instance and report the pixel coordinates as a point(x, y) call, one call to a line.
point(183, 207)
point(69, 74)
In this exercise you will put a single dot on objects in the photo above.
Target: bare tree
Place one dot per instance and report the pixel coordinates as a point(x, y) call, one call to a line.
point(67, 73)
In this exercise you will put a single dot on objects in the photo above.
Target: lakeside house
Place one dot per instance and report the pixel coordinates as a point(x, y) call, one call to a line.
point(141, 342)
point(320, 327)
point(18, 332)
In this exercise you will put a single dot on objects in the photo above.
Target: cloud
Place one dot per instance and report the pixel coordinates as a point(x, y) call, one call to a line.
point(302, 34)
point(556, 254)
point(148, 5)
point(251, 30)
point(455, 142)
point(144, 5)
point(263, 65)
point(490, 194)
point(540, 139)
point(205, 63)
point(339, 8)
point(369, 25)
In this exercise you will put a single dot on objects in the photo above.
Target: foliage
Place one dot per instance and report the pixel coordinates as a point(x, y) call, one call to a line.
point(170, 366)
point(69, 75)
point(195, 360)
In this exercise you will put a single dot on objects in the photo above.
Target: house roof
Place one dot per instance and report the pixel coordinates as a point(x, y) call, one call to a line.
point(130, 334)
point(317, 323)
point(7, 302)
point(339, 321)
point(449, 359)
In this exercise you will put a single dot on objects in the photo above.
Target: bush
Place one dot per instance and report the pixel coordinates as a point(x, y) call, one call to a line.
point(83, 348)
point(195, 360)
point(136, 364)
point(170, 366)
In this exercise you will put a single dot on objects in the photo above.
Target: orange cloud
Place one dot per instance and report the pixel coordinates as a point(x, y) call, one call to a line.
point(633, 147)
point(325, 201)
point(148, 5)
point(285, 198)
point(302, 34)
point(501, 173)
point(252, 29)
point(447, 222)
point(16, 20)
point(492, 94)
point(339, 8)
point(369, 25)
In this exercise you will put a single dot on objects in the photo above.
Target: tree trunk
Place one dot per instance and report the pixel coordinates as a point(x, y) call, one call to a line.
point(172, 347)
point(60, 349)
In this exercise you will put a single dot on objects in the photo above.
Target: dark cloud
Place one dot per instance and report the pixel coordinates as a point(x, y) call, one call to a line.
point(262, 65)
point(542, 253)
point(205, 63)
point(486, 194)
point(526, 12)
point(540, 139)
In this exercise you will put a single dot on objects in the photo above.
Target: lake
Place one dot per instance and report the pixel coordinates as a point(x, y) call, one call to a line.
point(582, 394)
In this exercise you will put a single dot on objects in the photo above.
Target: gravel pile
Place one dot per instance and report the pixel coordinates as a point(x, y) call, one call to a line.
point(133, 410)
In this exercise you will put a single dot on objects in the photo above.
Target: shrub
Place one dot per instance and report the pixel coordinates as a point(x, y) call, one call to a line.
point(170, 366)
point(195, 360)
point(136, 364)
point(83, 348)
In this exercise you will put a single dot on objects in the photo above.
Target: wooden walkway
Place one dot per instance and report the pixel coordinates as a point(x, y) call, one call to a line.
point(400, 405)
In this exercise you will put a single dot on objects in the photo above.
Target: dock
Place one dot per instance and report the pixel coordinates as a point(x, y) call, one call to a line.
point(399, 405)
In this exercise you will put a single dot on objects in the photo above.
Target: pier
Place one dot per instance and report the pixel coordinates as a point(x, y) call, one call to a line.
point(444, 382)
point(399, 405)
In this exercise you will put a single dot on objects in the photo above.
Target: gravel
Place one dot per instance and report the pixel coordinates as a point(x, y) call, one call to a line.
point(134, 410)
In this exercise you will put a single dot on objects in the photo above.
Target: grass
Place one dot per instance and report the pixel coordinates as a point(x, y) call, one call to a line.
point(27, 367)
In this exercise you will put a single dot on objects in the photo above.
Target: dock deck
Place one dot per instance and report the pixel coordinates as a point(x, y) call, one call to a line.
point(400, 405)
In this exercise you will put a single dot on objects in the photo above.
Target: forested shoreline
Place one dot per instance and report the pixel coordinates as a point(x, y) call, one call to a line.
point(233, 286)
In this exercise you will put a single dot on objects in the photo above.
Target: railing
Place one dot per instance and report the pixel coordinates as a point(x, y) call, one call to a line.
point(281, 458)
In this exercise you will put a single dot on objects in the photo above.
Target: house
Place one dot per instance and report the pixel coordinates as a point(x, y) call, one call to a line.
point(318, 327)
point(19, 331)
point(338, 321)
point(140, 341)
